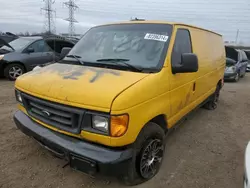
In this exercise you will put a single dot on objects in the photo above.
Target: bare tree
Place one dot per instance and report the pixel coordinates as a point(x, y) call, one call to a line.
point(27, 33)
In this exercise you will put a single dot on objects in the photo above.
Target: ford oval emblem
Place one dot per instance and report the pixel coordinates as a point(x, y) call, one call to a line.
point(46, 113)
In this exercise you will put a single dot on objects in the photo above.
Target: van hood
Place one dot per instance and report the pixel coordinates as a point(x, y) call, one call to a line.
point(82, 86)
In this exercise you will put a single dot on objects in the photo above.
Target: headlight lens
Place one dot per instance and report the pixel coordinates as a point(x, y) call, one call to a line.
point(119, 125)
point(19, 97)
point(231, 69)
point(1, 57)
point(100, 123)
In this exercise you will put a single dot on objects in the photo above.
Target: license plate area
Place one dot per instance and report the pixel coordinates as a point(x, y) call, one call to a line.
point(82, 164)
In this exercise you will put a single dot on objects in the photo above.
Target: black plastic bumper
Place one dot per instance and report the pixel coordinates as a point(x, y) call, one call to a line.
point(229, 75)
point(82, 156)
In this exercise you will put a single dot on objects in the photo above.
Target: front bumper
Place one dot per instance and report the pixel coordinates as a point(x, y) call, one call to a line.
point(229, 75)
point(83, 156)
point(248, 69)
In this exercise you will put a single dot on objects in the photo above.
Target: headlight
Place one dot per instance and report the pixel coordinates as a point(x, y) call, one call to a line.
point(100, 123)
point(1, 57)
point(114, 126)
point(18, 96)
point(231, 69)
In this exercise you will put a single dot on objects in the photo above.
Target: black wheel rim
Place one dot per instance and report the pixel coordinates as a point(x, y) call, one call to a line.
point(151, 158)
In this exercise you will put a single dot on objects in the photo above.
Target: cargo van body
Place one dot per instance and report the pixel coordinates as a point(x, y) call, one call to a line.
point(108, 106)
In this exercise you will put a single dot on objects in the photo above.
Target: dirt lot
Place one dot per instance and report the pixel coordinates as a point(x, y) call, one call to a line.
point(206, 151)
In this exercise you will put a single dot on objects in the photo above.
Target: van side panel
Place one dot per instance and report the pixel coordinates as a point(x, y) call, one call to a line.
point(209, 48)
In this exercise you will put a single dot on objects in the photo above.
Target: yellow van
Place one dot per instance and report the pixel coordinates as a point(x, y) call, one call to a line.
point(109, 104)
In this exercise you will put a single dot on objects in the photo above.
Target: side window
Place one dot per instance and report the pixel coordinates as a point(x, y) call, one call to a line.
point(182, 45)
point(40, 46)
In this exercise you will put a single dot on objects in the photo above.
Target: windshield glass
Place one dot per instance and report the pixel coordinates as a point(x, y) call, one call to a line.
point(18, 44)
point(141, 45)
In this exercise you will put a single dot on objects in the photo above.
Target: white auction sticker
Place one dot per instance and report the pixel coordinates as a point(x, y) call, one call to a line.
point(150, 36)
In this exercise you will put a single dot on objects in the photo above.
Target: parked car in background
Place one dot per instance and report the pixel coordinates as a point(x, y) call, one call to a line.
point(23, 54)
point(248, 56)
point(236, 64)
point(7, 37)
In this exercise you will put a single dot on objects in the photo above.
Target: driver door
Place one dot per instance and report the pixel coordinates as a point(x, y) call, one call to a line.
point(38, 53)
point(182, 85)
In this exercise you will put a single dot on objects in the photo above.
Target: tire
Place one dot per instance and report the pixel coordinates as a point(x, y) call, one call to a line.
point(243, 75)
point(13, 71)
point(237, 77)
point(214, 99)
point(152, 135)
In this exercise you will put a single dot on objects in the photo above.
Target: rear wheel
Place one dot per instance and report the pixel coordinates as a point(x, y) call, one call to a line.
point(13, 71)
point(148, 155)
point(213, 101)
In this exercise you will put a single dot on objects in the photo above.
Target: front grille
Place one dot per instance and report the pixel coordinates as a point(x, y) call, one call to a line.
point(57, 115)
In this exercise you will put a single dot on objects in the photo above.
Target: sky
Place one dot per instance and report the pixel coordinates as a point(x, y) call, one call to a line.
point(226, 17)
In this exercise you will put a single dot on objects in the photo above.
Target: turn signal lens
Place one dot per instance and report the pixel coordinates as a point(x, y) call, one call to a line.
point(119, 125)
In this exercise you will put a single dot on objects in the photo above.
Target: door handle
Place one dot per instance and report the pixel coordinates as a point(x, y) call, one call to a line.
point(194, 86)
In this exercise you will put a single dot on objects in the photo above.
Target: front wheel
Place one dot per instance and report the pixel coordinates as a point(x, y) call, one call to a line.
point(243, 75)
point(148, 155)
point(237, 77)
point(13, 71)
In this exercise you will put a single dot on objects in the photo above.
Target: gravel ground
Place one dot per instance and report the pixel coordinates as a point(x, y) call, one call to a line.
point(206, 151)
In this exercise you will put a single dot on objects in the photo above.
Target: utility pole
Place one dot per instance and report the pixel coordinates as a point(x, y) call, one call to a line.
point(71, 19)
point(49, 22)
point(237, 36)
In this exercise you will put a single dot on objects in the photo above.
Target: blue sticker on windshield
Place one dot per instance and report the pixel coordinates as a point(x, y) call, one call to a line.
point(150, 36)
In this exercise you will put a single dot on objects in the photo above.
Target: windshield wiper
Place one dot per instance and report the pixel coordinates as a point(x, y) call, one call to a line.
point(77, 57)
point(118, 61)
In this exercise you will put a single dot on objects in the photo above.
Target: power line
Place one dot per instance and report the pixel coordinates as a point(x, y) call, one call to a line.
point(71, 19)
point(49, 19)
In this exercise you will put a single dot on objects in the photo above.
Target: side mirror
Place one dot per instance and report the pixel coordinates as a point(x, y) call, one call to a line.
point(30, 50)
point(64, 52)
point(189, 63)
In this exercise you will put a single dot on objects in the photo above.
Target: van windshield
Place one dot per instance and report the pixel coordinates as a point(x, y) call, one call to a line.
point(143, 46)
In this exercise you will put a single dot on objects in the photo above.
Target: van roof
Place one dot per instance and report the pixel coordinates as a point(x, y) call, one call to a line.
point(160, 22)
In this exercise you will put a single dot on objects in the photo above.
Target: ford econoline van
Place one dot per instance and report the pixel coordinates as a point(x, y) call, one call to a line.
point(109, 104)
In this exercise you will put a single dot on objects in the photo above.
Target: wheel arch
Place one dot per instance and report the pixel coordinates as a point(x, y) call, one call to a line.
point(15, 62)
point(160, 120)
point(220, 83)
